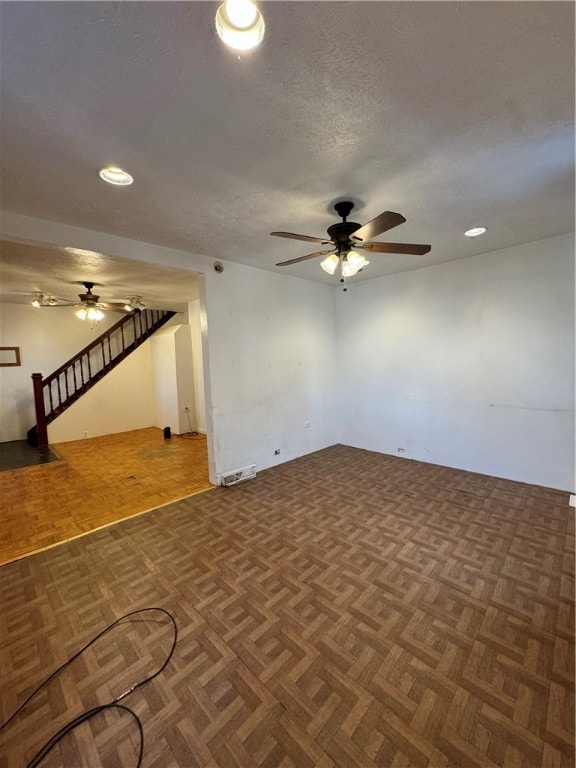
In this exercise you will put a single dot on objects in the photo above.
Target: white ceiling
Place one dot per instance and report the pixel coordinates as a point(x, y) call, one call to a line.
point(453, 114)
point(29, 268)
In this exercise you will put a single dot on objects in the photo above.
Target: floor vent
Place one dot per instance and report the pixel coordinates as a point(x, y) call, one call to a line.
point(233, 476)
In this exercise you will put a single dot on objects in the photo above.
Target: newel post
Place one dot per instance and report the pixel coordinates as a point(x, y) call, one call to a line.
point(40, 410)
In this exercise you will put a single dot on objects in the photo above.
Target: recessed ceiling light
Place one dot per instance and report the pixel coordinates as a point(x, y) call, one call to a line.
point(114, 175)
point(475, 232)
point(240, 25)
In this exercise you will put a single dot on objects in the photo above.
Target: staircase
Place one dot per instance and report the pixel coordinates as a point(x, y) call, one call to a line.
point(58, 391)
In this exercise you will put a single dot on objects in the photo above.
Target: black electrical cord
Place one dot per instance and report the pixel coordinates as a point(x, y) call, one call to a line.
point(96, 710)
point(39, 756)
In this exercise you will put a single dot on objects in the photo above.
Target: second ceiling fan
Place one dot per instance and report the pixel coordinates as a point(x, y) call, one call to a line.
point(90, 306)
point(347, 238)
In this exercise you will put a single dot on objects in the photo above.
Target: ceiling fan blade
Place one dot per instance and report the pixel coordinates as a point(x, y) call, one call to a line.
point(303, 258)
point(375, 227)
point(408, 248)
point(307, 238)
point(115, 308)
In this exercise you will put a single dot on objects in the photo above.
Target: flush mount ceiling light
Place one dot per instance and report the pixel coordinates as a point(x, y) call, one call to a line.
point(475, 232)
point(114, 175)
point(240, 25)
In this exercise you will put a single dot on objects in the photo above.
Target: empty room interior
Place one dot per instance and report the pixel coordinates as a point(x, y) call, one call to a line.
point(287, 370)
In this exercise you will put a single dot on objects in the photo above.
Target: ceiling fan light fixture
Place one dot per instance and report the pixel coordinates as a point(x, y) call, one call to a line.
point(475, 232)
point(89, 313)
point(348, 270)
point(330, 263)
point(352, 263)
point(114, 175)
point(240, 24)
point(94, 314)
point(347, 235)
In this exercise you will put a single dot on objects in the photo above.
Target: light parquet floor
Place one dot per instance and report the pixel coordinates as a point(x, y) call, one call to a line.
point(345, 609)
point(97, 482)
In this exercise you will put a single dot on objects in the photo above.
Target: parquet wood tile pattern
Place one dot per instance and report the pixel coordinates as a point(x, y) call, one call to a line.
point(345, 609)
point(97, 482)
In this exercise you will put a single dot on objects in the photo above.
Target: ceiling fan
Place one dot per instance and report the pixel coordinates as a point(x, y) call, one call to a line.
point(347, 238)
point(90, 306)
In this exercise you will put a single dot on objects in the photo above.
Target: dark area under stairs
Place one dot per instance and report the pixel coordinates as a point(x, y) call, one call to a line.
point(19, 453)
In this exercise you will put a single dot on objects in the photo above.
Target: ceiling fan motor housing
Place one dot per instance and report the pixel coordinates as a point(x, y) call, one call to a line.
point(88, 297)
point(340, 234)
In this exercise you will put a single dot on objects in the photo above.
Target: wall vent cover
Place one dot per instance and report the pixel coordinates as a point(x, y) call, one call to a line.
point(233, 476)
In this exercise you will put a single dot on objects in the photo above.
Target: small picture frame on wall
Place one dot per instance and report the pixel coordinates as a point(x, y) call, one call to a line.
point(9, 356)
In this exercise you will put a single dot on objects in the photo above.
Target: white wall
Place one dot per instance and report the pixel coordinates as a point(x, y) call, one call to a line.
point(271, 356)
point(194, 313)
point(164, 379)
point(47, 338)
point(122, 401)
point(468, 364)
point(184, 379)
point(173, 377)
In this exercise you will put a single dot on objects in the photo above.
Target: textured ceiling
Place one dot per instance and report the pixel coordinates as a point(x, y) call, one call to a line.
point(27, 268)
point(453, 114)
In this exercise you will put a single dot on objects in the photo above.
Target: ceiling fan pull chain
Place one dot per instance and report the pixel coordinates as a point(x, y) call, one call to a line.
point(343, 278)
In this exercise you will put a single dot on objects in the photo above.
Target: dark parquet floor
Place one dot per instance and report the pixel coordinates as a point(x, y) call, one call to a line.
point(345, 609)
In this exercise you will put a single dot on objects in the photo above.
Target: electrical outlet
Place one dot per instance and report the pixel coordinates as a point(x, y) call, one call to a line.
point(85, 434)
point(277, 452)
